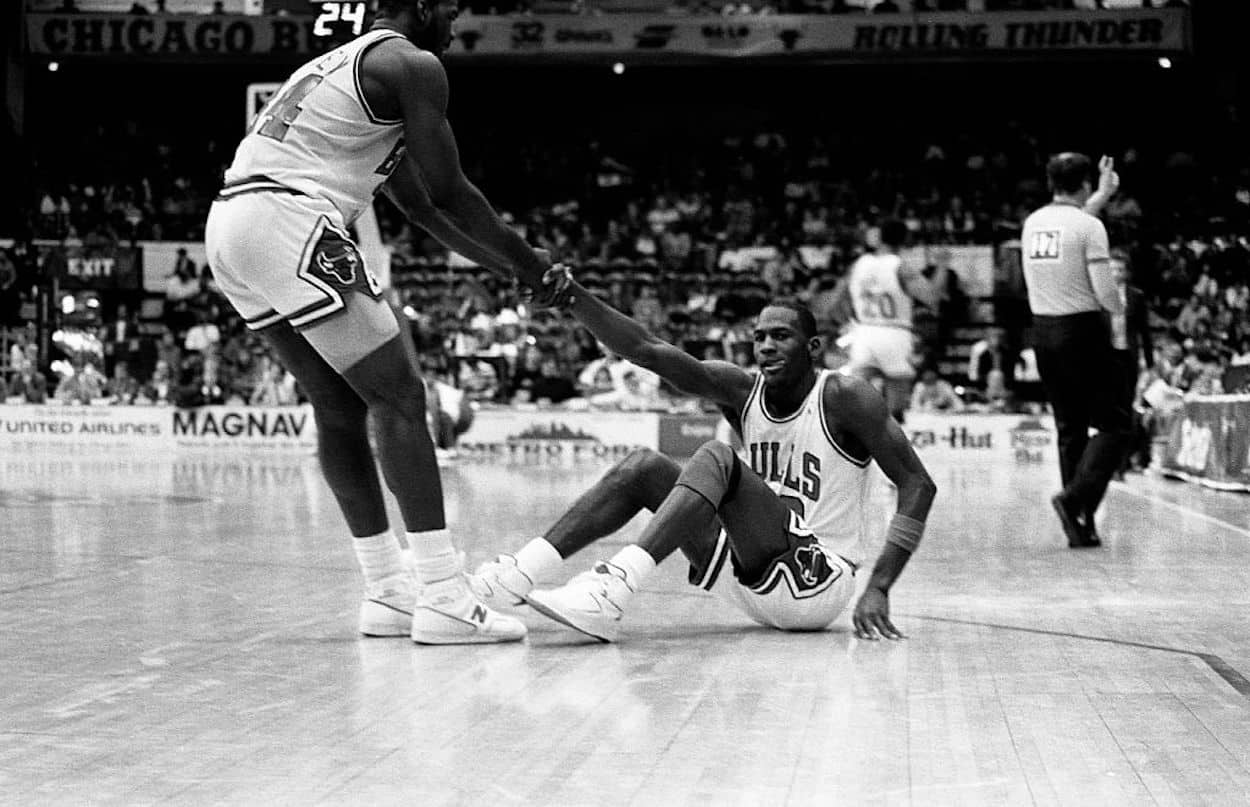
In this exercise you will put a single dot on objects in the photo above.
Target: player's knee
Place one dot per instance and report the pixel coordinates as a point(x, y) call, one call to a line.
point(336, 406)
point(390, 384)
point(639, 464)
point(716, 453)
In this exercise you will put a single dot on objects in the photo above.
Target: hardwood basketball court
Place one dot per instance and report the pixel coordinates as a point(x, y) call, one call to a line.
point(181, 631)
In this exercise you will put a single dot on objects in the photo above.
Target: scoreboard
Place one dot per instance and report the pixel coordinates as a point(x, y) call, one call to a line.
point(339, 20)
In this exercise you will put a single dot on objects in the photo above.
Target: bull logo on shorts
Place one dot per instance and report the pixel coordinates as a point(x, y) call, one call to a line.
point(338, 260)
point(811, 563)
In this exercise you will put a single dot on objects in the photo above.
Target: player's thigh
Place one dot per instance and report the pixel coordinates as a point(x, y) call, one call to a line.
point(331, 396)
point(757, 521)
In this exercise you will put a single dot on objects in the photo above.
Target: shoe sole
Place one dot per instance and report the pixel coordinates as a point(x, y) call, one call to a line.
point(387, 630)
point(478, 636)
point(555, 615)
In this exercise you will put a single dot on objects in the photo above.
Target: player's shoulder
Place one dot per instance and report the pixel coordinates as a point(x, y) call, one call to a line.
point(850, 395)
point(400, 55)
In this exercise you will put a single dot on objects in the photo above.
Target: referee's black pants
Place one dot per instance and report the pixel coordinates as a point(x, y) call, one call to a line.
point(1084, 384)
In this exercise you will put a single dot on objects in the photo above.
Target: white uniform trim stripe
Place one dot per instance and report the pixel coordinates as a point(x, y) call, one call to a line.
point(264, 321)
point(360, 93)
point(716, 563)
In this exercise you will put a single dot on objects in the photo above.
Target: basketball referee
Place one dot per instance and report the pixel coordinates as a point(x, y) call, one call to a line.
point(1072, 292)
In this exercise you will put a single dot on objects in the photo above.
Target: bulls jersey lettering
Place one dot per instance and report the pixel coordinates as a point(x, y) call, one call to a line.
point(765, 461)
point(799, 459)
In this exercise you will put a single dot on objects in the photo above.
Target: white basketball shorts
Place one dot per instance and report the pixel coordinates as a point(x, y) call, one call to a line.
point(280, 255)
point(883, 348)
point(805, 588)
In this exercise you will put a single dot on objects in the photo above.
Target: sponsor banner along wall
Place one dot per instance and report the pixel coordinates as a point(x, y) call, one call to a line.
point(289, 428)
point(1209, 442)
point(858, 37)
point(553, 434)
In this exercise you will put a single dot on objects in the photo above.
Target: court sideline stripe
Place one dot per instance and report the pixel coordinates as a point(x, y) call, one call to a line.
point(1180, 508)
point(1218, 665)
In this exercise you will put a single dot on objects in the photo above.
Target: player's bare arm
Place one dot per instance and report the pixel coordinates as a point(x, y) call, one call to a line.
point(918, 287)
point(722, 383)
point(406, 188)
point(858, 415)
point(402, 81)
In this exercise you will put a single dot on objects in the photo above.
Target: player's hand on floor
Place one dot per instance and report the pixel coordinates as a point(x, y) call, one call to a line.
point(872, 616)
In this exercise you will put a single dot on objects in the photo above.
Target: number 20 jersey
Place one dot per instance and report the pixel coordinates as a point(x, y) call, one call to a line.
point(318, 136)
point(877, 295)
point(800, 461)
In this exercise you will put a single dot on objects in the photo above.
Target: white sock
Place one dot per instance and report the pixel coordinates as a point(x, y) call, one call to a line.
point(538, 560)
point(434, 558)
point(380, 559)
point(637, 564)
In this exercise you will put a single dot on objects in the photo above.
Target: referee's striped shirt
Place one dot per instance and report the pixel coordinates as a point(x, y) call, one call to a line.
point(1067, 266)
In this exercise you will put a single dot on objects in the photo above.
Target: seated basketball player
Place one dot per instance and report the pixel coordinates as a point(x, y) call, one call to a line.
point(370, 112)
point(781, 538)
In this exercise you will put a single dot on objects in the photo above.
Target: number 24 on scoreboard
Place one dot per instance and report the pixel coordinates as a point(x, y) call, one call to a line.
point(340, 11)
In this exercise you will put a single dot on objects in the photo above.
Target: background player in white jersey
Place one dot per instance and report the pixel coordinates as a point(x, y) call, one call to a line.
point(881, 290)
point(780, 538)
point(368, 115)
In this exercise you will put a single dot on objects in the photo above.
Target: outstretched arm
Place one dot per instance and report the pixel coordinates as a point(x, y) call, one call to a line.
point(400, 78)
point(861, 411)
point(406, 188)
point(720, 382)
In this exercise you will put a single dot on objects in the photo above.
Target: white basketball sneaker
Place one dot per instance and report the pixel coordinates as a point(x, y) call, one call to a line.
point(499, 584)
point(447, 612)
point(387, 609)
point(593, 602)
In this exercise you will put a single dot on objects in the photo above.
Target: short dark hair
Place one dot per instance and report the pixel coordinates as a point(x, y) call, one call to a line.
point(807, 320)
point(1069, 171)
point(392, 7)
point(893, 233)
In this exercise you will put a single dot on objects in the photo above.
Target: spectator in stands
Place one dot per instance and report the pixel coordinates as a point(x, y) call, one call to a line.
point(120, 338)
point(449, 412)
point(987, 366)
point(1194, 312)
point(204, 336)
point(83, 385)
point(122, 388)
point(275, 385)
point(934, 394)
point(161, 388)
point(30, 385)
point(181, 288)
point(550, 386)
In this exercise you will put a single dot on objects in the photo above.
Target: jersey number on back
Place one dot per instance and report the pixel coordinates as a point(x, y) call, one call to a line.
point(282, 111)
point(878, 305)
point(276, 118)
point(1044, 245)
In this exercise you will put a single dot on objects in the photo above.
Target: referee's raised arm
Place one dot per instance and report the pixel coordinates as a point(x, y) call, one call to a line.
point(1071, 291)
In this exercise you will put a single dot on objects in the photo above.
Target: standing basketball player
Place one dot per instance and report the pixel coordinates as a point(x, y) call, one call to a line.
point(1071, 291)
point(368, 115)
point(882, 289)
point(782, 538)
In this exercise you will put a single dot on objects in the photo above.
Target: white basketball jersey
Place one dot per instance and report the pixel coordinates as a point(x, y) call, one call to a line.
point(800, 461)
point(877, 294)
point(318, 136)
